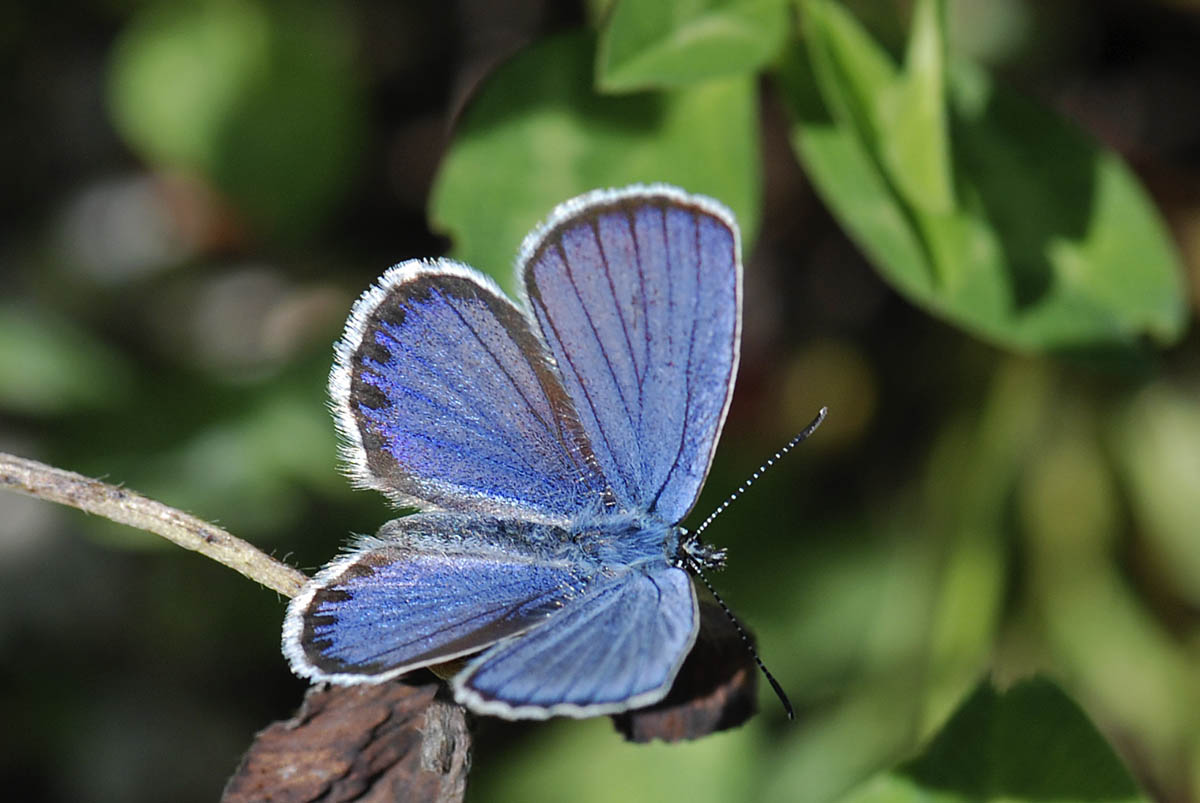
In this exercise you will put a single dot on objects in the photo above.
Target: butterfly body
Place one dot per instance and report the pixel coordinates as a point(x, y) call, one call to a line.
point(552, 447)
point(626, 540)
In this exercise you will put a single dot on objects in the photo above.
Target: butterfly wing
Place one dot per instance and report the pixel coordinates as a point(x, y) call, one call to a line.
point(617, 648)
point(430, 588)
point(446, 399)
point(449, 400)
point(637, 292)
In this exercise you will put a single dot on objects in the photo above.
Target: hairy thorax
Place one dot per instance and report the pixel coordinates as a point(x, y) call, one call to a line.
point(619, 543)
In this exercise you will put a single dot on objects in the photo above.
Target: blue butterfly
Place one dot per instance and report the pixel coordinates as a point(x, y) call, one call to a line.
point(552, 448)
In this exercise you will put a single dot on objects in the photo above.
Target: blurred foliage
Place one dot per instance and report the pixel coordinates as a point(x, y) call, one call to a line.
point(963, 224)
point(228, 89)
point(54, 368)
point(648, 44)
point(538, 130)
point(1011, 224)
point(1030, 743)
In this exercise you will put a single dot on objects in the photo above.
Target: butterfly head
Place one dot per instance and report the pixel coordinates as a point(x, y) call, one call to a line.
point(697, 555)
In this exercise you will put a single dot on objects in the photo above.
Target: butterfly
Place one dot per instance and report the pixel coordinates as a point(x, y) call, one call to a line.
point(551, 447)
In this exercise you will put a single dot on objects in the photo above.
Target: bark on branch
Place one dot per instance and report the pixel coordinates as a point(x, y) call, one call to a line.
point(127, 507)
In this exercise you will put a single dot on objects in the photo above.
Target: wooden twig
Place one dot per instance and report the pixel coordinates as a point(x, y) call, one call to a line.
point(392, 743)
point(126, 507)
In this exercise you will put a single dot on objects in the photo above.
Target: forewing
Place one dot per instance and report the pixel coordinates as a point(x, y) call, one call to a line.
point(617, 648)
point(638, 294)
point(432, 587)
point(447, 399)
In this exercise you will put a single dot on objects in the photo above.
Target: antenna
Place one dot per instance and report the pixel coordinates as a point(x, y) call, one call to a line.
point(800, 436)
point(699, 555)
point(779, 692)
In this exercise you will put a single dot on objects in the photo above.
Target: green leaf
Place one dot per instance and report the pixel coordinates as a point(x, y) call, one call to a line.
point(665, 43)
point(263, 102)
point(1030, 743)
point(537, 134)
point(1155, 447)
point(1051, 244)
point(967, 487)
point(913, 112)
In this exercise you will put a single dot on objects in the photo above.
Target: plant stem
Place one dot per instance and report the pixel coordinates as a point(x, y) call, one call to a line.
point(127, 507)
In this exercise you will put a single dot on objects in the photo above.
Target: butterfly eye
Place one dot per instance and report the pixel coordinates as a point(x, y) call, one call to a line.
point(702, 556)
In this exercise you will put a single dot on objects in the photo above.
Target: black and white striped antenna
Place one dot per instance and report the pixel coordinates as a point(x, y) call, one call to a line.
point(699, 556)
point(800, 436)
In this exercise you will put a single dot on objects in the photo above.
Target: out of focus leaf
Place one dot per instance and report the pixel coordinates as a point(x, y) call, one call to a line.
point(254, 468)
point(49, 367)
point(1158, 448)
point(967, 489)
point(930, 616)
point(1029, 743)
point(912, 111)
point(648, 44)
point(714, 769)
point(1096, 627)
point(1052, 243)
point(537, 134)
point(262, 101)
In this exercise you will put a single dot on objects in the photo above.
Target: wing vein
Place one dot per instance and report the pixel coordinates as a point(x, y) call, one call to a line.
point(507, 375)
point(612, 288)
point(641, 272)
point(587, 315)
point(687, 378)
point(464, 423)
